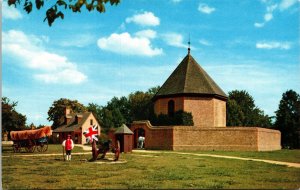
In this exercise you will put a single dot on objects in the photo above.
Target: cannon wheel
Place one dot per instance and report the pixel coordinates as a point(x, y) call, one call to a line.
point(30, 147)
point(117, 151)
point(17, 147)
point(42, 147)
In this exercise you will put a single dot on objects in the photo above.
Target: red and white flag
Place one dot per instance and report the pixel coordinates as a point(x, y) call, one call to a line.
point(91, 133)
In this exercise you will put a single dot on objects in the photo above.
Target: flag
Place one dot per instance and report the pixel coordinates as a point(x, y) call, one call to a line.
point(91, 133)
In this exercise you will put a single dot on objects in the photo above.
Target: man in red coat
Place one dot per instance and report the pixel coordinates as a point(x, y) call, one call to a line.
point(68, 145)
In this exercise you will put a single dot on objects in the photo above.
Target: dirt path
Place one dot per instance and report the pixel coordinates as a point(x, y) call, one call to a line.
point(37, 155)
point(289, 164)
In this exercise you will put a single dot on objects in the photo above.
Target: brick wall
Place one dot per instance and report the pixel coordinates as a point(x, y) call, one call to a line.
point(197, 138)
point(155, 137)
point(202, 110)
point(207, 112)
point(219, 113)
point(161, 105)
point(268, 139)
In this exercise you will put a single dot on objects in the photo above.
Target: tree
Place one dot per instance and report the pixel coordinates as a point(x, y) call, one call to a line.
point(57, 110)
point(137, 106)
point(112, 115)
point(120, 107)
point(180, 118)
point(235, 115)
point(288, 119)
point(241, 111)
point(54, 11)
point(96, 110)
point(141, 104)
point(11, 119)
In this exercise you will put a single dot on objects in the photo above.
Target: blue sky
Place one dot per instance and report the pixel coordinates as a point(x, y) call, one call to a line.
point(250, 45)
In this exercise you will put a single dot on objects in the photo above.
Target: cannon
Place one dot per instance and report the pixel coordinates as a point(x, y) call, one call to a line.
point(105, 147)
point(31, 140)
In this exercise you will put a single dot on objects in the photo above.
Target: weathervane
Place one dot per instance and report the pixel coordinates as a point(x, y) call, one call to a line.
point(189, 43)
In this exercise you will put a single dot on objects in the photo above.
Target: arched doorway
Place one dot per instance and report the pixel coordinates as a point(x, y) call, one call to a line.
point(171, 108)
point(137, 133)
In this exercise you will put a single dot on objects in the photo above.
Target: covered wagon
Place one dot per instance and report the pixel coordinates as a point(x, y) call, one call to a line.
point(31, 139)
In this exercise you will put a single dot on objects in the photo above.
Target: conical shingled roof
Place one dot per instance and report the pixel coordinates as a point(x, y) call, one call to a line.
point(189, 78)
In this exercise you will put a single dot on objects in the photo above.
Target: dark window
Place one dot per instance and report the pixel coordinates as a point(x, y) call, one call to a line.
point(171, 108)
point(91, 122)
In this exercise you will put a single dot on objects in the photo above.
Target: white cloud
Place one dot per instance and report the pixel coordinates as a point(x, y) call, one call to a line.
point(146, 34)
point(144, 19)
point(273, 45)
point(174, 39)
point(259, 25)
point(205, 8)
point(205, 42)
point(64, 76)
point(268, 17)
point(272, 8)
point(10, 12)
point(125, 44)
point(31, 54)
point(285, 4)
point(176, 1)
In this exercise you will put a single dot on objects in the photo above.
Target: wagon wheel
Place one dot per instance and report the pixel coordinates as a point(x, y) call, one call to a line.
point(117, 151)
point(30, 146)
point(16, 147)
point(42, 147)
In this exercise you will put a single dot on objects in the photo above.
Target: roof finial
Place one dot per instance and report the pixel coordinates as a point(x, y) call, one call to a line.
point(189, 43)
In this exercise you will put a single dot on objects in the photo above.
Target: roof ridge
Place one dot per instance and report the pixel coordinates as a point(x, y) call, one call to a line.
point(187, 67)
point(207, 77)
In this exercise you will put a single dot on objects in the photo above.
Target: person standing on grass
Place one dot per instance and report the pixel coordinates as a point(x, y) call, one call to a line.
point(68, 145)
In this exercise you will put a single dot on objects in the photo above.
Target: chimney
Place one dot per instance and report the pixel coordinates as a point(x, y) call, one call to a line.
point(67, 115)
point(78, 118)
point(67, 110)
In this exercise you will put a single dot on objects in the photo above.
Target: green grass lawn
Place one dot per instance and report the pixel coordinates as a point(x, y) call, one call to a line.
point(52, 149)
point(163, 170)
point(279, 155)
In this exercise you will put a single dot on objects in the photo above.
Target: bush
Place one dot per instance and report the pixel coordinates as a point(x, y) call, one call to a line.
point(180, 118)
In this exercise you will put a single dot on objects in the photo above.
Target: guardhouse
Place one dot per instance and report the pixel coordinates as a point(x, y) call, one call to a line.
point(191, 89)
point(124, 135)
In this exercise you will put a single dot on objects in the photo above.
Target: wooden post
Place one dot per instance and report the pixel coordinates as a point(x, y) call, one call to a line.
point(64, 153)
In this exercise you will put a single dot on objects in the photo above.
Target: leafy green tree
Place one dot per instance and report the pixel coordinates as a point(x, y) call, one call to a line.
point(96, 110)
point(141, 104)
point(11, 119)
point(288, 119)
point(55, 10)
point(235, 115)
point(112, 115)
point(57, 110)
point(136, 106)
point(241, 111)
point(120, 108)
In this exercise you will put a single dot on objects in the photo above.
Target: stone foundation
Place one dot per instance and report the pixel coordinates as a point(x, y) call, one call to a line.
point(218, 138)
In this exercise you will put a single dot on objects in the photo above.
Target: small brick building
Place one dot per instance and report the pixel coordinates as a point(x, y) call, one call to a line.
point(191, 89)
